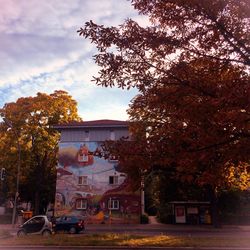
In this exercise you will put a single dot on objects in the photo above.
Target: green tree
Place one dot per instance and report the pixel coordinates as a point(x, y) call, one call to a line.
point(32, 120)
point(191, 67)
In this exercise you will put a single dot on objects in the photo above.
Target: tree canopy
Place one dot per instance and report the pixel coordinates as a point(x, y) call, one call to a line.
point(191, 67)
point(29, 122)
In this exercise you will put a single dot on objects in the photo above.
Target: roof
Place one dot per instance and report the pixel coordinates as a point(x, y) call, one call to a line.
point(63, 171)
point(93, 124)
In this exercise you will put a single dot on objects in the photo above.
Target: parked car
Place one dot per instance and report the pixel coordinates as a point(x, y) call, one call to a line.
point(71, 224)
point(39, 224)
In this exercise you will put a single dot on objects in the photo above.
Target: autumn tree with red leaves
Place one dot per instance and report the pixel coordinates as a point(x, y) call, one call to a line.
point(191, 68)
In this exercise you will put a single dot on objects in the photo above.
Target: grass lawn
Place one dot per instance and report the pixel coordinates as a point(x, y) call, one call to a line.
point(125, 240)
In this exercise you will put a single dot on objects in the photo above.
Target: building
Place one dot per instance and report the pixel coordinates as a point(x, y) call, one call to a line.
point(89, 183)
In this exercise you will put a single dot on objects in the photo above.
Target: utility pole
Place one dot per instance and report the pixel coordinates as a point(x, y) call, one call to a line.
point(17, 183)
point(142, 195)
point(2, 179)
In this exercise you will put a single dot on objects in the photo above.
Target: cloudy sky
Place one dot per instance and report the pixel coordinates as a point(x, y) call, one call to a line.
point(40, 51)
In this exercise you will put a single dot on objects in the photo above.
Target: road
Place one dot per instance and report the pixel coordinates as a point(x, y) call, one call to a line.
point(169, 230)
point(150, 230)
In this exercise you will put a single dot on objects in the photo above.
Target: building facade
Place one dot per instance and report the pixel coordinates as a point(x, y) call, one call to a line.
point(90, 183)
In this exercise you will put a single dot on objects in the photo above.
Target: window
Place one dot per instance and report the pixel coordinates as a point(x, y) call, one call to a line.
point(37, 220)
point(113, 204)
point(113, 180)
point(83, 153)
point(83, 158)
point(112, 135)
point(82, 180)
point(113, 158)
point(86, 137)
point(81, 204)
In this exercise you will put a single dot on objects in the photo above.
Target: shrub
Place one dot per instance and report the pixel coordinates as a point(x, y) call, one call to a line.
point(165, 214)
point(144, 219)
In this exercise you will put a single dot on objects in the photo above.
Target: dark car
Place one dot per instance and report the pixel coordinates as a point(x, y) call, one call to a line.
point(39, 224)
point(71, 224)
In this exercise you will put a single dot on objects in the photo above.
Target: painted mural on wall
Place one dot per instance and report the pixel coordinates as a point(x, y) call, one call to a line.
point(91, 185)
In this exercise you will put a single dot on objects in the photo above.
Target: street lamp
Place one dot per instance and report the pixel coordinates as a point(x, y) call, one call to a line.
point(142, 195)
point(8, 123)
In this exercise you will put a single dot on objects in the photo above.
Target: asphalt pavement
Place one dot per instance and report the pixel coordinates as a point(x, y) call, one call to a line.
point(153, 229)
point(147, 229)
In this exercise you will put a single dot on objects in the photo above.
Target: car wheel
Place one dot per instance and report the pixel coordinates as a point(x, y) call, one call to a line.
point(21, 233)
point(46, 233)
point(72, 230)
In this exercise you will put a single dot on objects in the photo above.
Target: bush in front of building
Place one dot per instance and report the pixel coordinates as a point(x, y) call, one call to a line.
point(5, 219)
point(165, 214)
point(234, 207)
point(144, 219)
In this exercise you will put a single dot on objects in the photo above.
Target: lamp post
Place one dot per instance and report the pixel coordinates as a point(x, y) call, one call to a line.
point(8, 123)
point(142, 195)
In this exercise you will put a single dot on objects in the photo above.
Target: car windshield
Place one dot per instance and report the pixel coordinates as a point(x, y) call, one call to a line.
point(71, 219)
point(36, 220)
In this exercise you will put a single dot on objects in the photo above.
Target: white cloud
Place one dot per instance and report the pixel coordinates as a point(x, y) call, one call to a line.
point(40, 51)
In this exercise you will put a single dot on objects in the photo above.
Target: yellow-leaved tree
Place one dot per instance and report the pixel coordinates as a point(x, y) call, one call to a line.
point(28, 124)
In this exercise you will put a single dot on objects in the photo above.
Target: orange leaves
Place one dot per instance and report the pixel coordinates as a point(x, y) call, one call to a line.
point(238, 176)
point(205, 28)
point(32, 120)
point(190, 67)
point(196, 120)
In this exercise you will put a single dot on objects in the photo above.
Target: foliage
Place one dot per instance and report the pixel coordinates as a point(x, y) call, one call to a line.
point(165, 214)
point(191, 67)
point(144, 219)
point(239, 210)
point(132, 156)
point(239, 176)
point(29, 122)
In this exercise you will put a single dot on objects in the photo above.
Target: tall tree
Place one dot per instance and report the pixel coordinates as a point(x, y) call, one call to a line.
point(29, 122)
point(191, 67)
point(181, 31)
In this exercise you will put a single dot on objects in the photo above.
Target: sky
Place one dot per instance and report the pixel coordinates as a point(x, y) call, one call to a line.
point(41, 51)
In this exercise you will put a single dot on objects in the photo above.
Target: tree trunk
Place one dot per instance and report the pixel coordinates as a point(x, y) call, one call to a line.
point(214, 206)
point(37, 203)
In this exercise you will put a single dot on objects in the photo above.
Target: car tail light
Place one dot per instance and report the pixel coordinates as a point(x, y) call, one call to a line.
point(81, 223)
